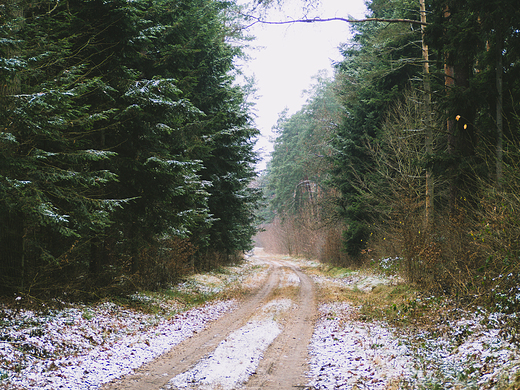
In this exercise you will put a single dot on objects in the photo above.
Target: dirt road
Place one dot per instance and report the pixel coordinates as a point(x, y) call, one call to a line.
point(264, 342)
point(261, 345)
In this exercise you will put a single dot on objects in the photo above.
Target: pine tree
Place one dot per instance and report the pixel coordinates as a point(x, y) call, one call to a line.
point(376, 69)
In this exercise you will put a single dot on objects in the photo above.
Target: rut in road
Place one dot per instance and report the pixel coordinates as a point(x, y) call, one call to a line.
point(285, 362)
point(195, 364)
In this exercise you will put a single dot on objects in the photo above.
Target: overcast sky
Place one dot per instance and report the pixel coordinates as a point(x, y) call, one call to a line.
point(284, 58)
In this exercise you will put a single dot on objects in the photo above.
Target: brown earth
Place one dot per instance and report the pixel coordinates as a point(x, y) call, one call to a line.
point(285, 361)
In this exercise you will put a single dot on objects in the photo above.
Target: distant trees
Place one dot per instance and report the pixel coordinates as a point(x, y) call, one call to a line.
point(298, 175)
point(123, 138)
point(400, 134)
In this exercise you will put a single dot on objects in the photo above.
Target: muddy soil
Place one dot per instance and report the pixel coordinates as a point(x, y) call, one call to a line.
point(280, 365)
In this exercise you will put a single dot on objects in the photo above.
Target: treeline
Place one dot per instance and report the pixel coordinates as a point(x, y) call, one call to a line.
point(412, 149)
point(125, 143)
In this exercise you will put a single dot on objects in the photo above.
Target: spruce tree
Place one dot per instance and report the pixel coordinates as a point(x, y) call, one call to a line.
point(51, 186)
point(126, 131)
point(377, 67)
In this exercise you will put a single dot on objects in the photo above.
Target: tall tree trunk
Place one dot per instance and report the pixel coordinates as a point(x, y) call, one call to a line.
point(134, 248)
point(12, 226)
point(94, 257)
point(449, 82)
point(460, 128)
point(429, 218)
point(97, 245)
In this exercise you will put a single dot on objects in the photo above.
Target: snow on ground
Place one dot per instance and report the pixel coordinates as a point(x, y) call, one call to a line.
point(289, 279)
point(465, 351)
point(85, 346)
point(348, 354)
point(233, 361)
point(238, 356)
point(356, 281)
point(80, 348)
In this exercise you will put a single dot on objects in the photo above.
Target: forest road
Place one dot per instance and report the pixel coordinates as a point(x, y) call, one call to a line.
point(278, 318)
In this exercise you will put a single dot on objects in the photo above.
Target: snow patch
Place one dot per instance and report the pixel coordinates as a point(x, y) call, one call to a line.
point(238, 356)
point(233, 361)
point(357, 281)
point(83, 348)
point(289, 279)
point(348, 354)
point(368, 283)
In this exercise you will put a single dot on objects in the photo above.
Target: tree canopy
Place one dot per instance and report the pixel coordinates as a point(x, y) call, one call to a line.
point(405, 128)
point(124, 138)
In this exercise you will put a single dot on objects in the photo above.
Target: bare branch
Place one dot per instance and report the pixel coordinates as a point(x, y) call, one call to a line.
point(317, 20)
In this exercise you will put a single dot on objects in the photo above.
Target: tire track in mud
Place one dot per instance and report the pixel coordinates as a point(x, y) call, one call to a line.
point(158, 372)
point(285, 360)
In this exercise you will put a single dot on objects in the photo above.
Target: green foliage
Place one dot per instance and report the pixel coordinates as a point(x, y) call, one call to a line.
point(122, 130)
point(376, 69)
point(297, 173)
point(302, 215)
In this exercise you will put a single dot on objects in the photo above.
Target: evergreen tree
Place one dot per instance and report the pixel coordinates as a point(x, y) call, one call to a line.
point(302, 204)
point(50, 188)
point(476, 43)
point(123, 130)
point(377, 67)
point(298, 171)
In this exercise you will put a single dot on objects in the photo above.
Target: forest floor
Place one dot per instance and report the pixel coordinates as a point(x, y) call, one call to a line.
point(272, 322)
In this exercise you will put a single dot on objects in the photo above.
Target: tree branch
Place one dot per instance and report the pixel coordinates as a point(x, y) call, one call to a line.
point(316, 20)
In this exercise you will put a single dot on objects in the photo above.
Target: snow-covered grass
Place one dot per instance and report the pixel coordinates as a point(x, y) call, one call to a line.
point(84, 346)
point(384, 335)
point(347, 353)
point(223, 280)
point(373, 332)
point(464, 351)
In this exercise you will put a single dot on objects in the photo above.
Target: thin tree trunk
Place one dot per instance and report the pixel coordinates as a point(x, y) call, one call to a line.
point(500, 123)
point(449, 82)
point(97, 245)
point(134, 249)
point(427, 121)
point(94, 257)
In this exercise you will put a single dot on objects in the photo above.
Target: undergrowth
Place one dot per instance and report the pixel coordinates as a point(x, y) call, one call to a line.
point(454, 343)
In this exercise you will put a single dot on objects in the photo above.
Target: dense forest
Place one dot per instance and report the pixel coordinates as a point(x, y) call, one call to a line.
point(411, 151)
point(126, 144)
point(126, 147)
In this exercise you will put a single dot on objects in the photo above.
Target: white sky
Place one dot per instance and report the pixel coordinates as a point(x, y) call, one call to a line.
point(284, 58)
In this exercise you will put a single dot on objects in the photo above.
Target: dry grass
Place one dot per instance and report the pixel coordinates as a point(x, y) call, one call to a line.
point(394, 302)
point(290, 292)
